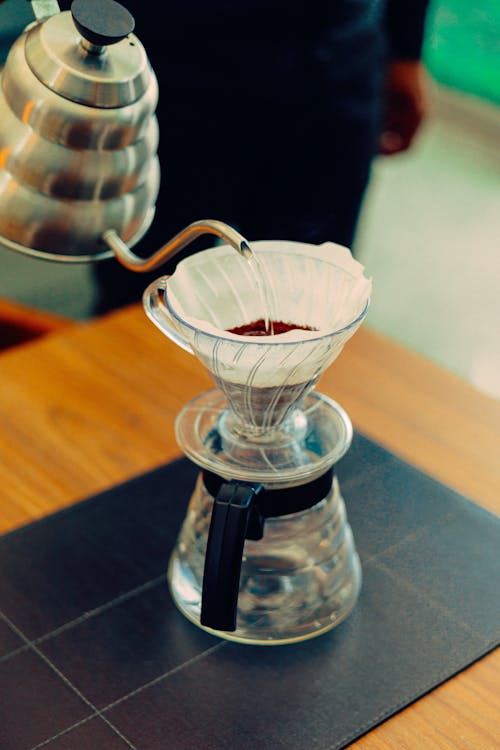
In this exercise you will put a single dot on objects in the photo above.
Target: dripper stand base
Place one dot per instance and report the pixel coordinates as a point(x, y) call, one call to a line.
point(313, 439)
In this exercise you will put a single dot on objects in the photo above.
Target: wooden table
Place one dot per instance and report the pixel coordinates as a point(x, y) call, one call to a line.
point(92, 405)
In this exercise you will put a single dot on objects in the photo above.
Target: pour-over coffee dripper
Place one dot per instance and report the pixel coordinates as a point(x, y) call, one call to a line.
point(265, 554)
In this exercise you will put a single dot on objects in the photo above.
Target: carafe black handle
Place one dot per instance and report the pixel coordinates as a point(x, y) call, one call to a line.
point(231, 512)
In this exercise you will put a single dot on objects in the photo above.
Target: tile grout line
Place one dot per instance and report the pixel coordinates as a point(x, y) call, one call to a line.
point(19, 649)
point(77, 620)
point(409, 584)
point(65, 731)
point(99, 609)
point(69, 684)
point(16, 652)
point(169, 673)
point(99, 712)
point(96, 711)
point(412, 536)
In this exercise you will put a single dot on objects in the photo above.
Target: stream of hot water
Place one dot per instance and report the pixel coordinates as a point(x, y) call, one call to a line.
point(264, 288)
point(269, 324)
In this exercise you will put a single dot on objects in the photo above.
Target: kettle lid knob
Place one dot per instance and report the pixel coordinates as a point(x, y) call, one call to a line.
point(102, 22)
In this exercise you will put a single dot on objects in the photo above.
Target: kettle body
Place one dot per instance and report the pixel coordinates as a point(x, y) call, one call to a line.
point(78, 135)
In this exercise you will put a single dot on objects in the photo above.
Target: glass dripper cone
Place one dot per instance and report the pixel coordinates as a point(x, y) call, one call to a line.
point(264, 379)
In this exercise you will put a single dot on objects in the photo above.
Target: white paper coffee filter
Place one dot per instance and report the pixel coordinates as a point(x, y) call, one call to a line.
point(319, 286)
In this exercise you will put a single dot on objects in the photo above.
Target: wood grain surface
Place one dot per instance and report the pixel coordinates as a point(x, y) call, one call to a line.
point(94, 404)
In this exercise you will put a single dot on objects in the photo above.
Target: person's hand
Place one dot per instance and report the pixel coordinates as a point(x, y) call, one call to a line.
point(405, 105)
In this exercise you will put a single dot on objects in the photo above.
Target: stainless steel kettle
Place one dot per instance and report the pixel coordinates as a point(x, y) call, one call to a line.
point(79, 172)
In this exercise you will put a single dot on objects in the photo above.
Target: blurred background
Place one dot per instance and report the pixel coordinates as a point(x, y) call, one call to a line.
point(429, 233)
point(430, 228)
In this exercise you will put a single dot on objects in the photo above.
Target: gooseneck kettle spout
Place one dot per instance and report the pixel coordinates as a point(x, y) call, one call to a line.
point(197, 228)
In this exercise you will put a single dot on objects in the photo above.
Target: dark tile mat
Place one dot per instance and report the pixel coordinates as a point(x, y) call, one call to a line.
point(126, 645)
point(9, 641)
point(35, 703)
point(93, 734)
point(93, 654)
point(314, 695)
point(92, 552)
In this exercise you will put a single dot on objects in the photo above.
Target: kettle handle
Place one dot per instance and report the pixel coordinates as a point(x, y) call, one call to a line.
point(226, 538)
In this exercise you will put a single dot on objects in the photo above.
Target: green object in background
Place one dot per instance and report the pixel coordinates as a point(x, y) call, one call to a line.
point(15, 15)
point(462, 46)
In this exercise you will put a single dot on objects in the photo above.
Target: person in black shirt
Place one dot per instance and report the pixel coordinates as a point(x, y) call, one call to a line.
point(270, 115)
